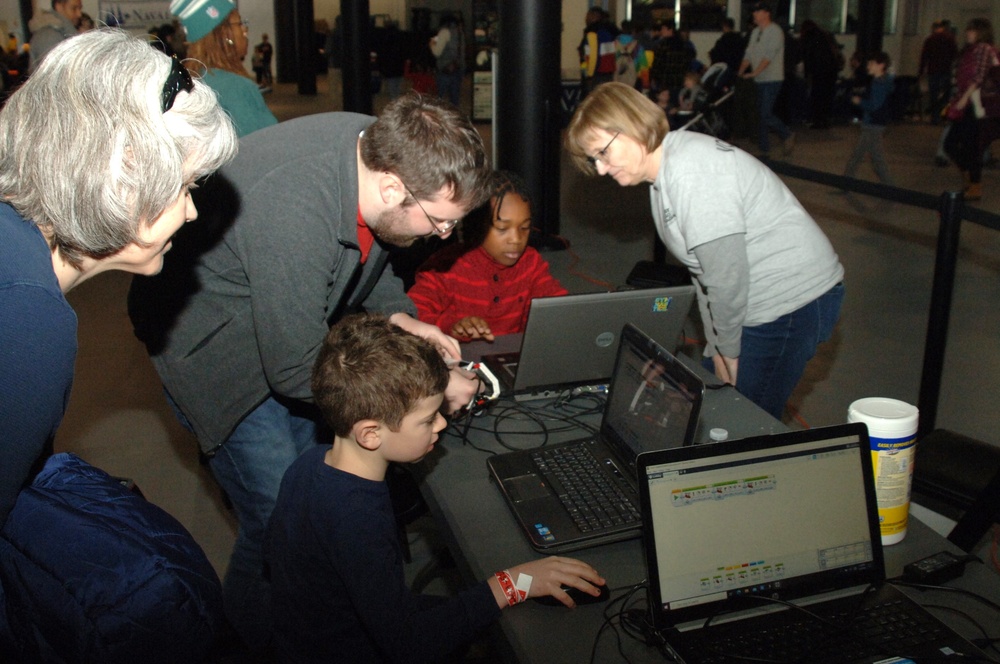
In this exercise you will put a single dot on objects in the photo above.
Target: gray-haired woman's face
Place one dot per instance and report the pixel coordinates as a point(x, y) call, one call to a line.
point(147, 258)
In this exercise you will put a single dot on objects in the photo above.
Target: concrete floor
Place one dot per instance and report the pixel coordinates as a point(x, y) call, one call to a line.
point(119, 421)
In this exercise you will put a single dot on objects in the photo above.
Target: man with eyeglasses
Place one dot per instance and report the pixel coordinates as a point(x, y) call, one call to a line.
point(294, 235)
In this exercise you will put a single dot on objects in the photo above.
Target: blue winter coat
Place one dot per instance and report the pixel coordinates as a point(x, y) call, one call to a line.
point(92, 572)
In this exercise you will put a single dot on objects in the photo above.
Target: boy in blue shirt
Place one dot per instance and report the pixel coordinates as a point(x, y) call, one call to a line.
point(335, 560)
point(875, 104)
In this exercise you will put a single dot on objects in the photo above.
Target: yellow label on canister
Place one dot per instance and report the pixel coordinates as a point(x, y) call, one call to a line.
point(892, 430)
point(892, 460)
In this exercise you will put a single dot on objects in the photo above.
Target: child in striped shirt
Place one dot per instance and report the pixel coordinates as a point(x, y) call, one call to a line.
point(482, 287)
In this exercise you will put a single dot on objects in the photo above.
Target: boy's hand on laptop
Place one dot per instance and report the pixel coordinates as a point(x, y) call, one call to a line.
point(472, 327)
point(448, 346)
point(549, 577)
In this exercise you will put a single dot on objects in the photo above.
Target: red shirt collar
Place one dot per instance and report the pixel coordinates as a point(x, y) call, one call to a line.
point(365, 237)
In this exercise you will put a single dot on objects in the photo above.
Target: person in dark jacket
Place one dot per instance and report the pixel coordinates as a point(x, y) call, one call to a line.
point(671, 60)
point(332, 543)
point(388, 44)
point(729, 47)
point(875, 104)
point(937, 56)
point(820, 59)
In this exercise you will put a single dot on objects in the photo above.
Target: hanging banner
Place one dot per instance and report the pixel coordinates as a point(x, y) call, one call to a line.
point(135, 15)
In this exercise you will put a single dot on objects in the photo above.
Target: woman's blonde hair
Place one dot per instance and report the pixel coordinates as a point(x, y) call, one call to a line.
point(614, 108)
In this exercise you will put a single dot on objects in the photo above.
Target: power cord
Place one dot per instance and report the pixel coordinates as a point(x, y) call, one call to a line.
point(618, 613)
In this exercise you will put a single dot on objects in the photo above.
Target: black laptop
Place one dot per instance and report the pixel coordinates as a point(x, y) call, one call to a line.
point(582, 493)
point(570, 341)
point(738, 532)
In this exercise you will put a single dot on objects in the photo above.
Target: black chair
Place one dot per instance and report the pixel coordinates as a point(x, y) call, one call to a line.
point(959, 477)
point(655, 274)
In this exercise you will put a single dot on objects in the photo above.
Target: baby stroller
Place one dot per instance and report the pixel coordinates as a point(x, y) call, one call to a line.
point(717, 81)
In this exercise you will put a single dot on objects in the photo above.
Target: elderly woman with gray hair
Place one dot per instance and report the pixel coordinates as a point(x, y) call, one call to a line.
point(98, 153)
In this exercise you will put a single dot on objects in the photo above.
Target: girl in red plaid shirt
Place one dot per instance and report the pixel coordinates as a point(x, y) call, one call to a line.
point(482, 287)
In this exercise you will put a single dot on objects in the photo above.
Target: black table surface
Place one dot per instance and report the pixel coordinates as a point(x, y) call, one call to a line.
point(484, 537)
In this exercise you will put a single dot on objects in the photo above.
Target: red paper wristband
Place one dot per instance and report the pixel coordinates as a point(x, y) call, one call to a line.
point(507, 585)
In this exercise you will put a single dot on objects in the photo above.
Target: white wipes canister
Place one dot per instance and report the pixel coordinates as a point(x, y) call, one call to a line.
point(892, 430)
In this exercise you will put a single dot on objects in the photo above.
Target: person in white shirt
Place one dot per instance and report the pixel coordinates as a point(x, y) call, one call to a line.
point(764, 63)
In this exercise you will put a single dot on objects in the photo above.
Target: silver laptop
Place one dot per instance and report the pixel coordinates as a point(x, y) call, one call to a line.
point(571, 341)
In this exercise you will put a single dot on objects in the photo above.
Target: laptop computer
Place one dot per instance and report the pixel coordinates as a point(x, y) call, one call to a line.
point(736, 531)
point(571, 340)
point(583, 492)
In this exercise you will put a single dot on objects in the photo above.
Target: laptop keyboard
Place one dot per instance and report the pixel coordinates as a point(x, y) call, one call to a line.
point(593, 499)
point(890, 628)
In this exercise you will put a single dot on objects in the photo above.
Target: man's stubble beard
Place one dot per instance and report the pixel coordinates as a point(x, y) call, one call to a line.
point(387, 228)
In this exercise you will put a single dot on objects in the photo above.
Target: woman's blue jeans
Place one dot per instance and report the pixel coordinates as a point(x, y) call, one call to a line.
point(774, 355)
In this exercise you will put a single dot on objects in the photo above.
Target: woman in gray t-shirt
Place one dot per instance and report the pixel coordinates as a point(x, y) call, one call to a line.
point(769, 282)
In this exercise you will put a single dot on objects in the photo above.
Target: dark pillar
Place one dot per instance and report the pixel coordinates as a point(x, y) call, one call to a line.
point(27, 12)
point(527, 93)
point(295, 43)
point(284, 43)
point(356, 65)
point(871, 25)
point(305, 46)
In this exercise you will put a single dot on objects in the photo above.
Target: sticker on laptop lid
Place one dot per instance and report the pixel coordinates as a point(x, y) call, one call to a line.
point(661, 303)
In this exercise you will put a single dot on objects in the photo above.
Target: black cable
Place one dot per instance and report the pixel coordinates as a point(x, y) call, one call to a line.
point(502, 417)
point(610, 617)
point(961, 591)
point(464, 437)
point(607, 623)
point(547, 421)
point(960, 613)
point(542, 418)
point(990, 642)
point(836, 628)
point(642, 630)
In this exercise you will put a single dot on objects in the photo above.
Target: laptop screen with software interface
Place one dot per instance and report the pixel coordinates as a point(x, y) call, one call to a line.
point(784, 516)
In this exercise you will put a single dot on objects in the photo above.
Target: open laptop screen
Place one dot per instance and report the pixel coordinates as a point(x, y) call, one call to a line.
point(786, 516)
point(653, 399)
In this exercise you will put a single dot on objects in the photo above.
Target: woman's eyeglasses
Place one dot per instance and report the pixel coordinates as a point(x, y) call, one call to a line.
point(178, 79)
point(602, 154)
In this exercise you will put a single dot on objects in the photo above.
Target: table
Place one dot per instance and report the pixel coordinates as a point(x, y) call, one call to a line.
point(484, 537)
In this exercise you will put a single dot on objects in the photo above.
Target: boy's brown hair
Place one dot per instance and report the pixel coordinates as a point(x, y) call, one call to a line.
point(369, 368)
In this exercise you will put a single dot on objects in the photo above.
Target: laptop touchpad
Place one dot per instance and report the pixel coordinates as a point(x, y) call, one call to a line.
point(526, 487)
